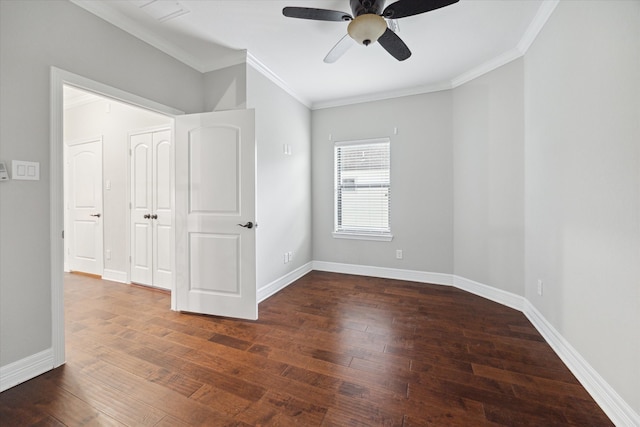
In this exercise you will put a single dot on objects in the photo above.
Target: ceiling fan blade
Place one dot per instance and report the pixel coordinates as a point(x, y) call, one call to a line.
point(394, 45)
point(404, 8)
point(316, 14)
point(339, 49)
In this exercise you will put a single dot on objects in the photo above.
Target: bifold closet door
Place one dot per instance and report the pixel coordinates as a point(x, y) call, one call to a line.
point(151, 208)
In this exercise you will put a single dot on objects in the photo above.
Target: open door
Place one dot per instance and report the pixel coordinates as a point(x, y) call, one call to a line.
point(215, 214)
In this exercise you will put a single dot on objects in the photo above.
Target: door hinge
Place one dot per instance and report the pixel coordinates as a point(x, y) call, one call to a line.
point(63, 234)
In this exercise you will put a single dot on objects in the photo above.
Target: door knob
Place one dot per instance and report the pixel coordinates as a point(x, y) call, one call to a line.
point(248, 225)
point(154, 216)
point(146, 216)
point(96, 215)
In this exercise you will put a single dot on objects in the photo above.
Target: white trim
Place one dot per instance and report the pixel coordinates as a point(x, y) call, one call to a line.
point(489, 292)
point(385, 272)
point(266, 72)
point(115, 275)
point(486, 67)
point(605, 396)
point(56, 214)
point(352, 142)
point(381, 96)
point(536, 25)
point(362, 236)
point(80, 82)
point(281, 283)
point(24, 369)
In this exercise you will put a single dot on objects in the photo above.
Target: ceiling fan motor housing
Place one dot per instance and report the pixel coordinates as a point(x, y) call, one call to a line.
point(360, 7)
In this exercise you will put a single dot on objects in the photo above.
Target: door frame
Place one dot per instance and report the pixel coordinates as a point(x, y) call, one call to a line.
point(59, 78)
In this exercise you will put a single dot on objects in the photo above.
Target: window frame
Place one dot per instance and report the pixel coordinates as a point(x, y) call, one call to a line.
point(345, 233)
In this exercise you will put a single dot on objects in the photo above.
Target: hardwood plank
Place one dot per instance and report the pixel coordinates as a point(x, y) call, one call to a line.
point(329, 350)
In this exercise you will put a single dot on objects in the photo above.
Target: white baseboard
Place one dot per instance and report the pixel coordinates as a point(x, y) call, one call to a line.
point(611, 403)
point(25, 369)
point(115, 275)
point(385, 273)
point(284, 281)
point(489, 292)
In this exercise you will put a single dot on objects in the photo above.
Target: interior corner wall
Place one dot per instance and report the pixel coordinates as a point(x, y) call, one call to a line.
point(582, 184)
point(283, 180)
point(488, 178)
point(421, 181)
point(35, 35)
point(226, 88)
point(114, 125)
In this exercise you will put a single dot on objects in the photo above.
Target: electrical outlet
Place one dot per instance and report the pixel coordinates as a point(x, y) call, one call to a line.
point(290, 256)
point(107, 254)
point(398, 253)
point(286, 257)
point(540, 285)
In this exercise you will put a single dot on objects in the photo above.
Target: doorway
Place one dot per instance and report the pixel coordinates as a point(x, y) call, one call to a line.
point(60, 79)
point(211, 151)
point(96, 131)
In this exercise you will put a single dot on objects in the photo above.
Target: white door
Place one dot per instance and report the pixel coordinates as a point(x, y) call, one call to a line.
point(151, 213)
point(141, 148)
point(162, 210)
point(215, 214)
point(84, 207)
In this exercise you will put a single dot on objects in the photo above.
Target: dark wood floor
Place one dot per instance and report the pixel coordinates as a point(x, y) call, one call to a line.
point(330, 350)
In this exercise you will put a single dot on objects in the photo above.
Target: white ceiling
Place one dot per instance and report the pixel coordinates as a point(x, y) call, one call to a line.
point(449, 45)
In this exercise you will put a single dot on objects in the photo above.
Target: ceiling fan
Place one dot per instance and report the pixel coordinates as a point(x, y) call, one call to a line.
point(369, 24)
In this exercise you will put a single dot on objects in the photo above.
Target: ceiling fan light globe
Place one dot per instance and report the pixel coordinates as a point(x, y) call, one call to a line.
point(366, 29)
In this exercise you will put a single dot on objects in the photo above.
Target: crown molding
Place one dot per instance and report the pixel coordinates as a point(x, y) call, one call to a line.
point(380, 96)
point(266, 71)
point(123, 22)
point(538, 22)
point(486, 67)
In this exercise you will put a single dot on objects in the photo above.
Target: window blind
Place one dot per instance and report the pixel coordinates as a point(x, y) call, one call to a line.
point(362, 187)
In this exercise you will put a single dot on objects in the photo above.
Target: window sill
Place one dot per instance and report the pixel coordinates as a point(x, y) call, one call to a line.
point(362, 236)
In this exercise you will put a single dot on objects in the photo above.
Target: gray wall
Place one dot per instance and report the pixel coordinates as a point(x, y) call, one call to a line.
point(421, 181)
point(35, 35)
point(582, 184)
point(488, 170)
point(283, 181)
point(226, 89)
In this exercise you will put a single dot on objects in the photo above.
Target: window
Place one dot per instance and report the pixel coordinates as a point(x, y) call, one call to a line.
point(362, 186)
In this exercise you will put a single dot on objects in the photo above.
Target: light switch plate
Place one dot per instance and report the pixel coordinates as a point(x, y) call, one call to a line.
point(21, 169)
point(4, 175)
